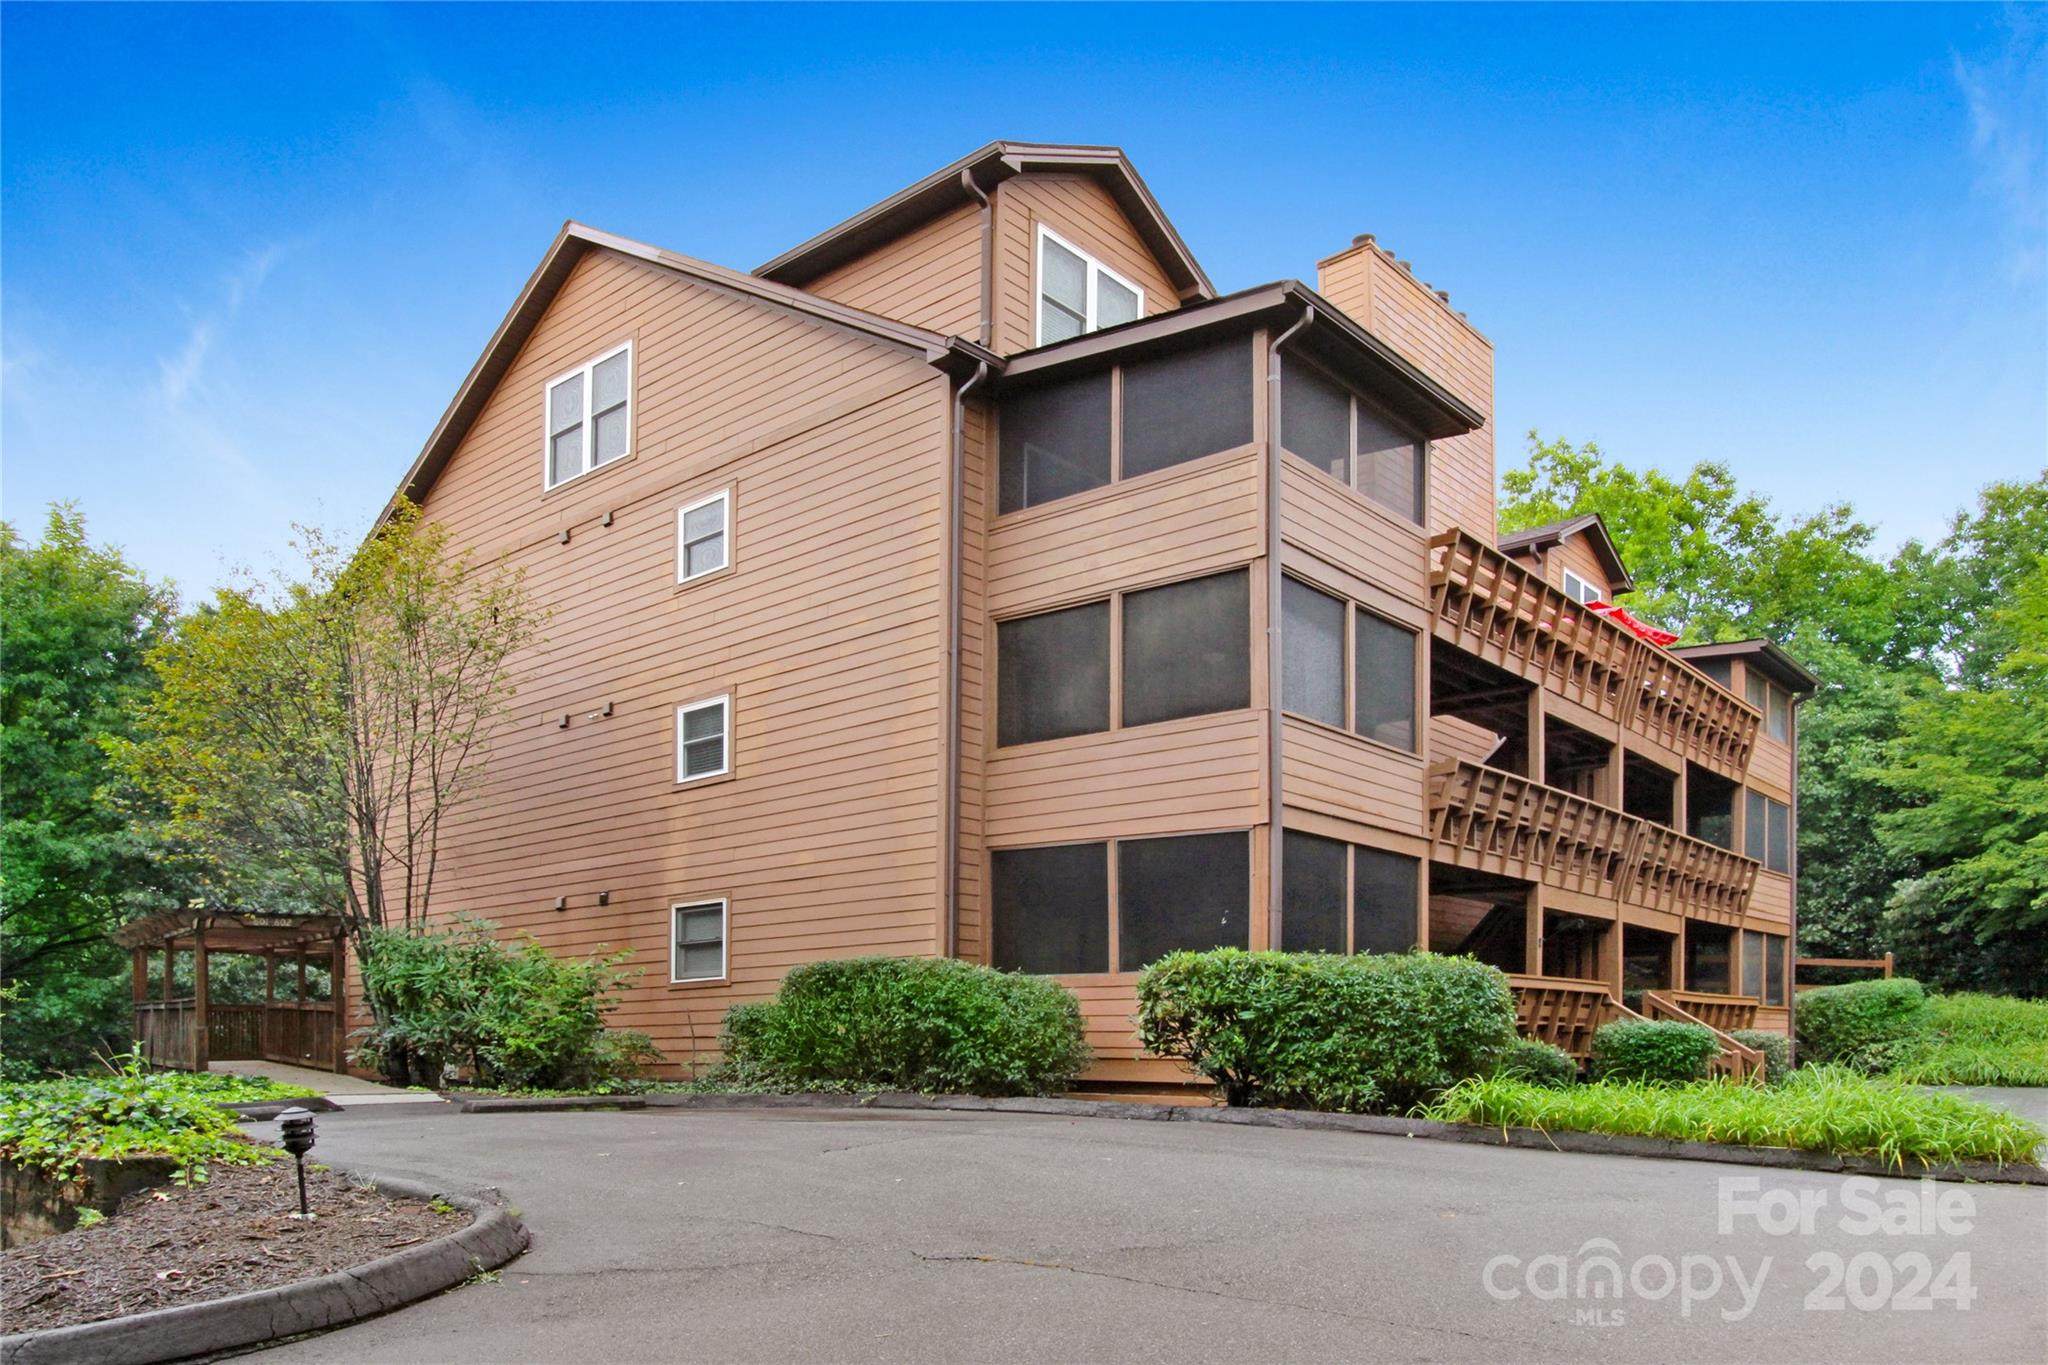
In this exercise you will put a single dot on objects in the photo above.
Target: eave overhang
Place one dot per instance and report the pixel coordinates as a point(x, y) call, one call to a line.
point(1536, 539)
point(1767, 655)
point(989, 166)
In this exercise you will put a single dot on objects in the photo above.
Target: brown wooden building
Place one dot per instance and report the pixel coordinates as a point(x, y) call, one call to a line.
point(974, 579)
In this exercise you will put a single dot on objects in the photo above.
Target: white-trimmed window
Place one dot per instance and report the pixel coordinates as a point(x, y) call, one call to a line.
point(1077, 293)
point(1579, 590)
point(704, 536)
point(590, 416)
point(696, 945)
point(704, 739)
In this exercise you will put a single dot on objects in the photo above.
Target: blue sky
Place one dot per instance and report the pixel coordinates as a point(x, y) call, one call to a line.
point(247, 253)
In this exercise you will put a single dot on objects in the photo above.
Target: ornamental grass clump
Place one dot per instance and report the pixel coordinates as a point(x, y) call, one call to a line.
point(1818, 1109)
point(1975, 1039)
point(934, 1025)
point(56, 1126)
point(1364, 1033)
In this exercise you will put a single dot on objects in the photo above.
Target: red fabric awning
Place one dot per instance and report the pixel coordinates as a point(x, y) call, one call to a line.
point(1663, 639)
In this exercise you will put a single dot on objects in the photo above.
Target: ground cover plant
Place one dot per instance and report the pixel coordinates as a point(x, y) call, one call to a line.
point(1818, 1109)
point(1362, 1033)
point(1974, 1039)
point(54, 1126)
point(928, 1024)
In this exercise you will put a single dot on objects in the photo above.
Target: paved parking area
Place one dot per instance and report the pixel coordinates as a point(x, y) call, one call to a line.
point(826, 1235)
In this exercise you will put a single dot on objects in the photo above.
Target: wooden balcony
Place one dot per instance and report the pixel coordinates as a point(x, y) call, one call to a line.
point(1493, 821)
point(1493, 608)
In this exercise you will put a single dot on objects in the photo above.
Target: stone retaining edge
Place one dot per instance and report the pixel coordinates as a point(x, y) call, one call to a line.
point(1598, 1144)
point(493, 1237)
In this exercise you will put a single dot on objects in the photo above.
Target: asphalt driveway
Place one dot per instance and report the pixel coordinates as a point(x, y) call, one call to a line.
point(825, 1235)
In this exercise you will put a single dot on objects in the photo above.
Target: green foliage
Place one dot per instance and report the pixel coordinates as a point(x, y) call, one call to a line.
point(1776, 1047)
point(928, 1024)
point(1537, 1063)
point(1866, 1025)
point(76, 622)
point(512, 1015)
point(1978, 1040)
point(55, 1125)
point(1818, 1109)
point(310, 738)
point(1319, 1031)
point(1655, 1052)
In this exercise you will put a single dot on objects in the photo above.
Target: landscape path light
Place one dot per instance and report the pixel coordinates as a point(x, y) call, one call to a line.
point(296, 1124)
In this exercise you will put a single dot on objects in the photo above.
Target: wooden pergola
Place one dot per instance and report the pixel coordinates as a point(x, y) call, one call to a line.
point(189, 1032)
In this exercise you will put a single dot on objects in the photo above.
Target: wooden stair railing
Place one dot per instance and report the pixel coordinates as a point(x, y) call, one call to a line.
point(1726, 1013)
point(1495, 609)
point(1736, 1060)
point(1564, 1011)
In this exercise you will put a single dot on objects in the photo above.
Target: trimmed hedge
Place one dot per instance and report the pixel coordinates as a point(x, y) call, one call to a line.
point(1777, 1050)
point(1538, 1064)
point(1659, 1051)
point(1867, 1024)
point(1314, 1030)
point(933, 1025)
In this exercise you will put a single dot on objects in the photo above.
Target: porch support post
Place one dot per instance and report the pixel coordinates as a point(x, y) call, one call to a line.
point(337, 993)
point(199, 1040)
point(1609, 782)
point(1532, 931)
point(1610, 956)
point(1678, 957)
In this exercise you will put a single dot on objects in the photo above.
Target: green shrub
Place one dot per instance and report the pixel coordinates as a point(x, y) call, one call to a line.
point(1538, 1064)
point(1867, 1025)
point(1658, 1052)
point(1319, 1031)
point(1777, 1050)
point(512, 1015)
point(1818, 1109)
point(1978, 1040)
point(55, 1125)
point(934, 1025)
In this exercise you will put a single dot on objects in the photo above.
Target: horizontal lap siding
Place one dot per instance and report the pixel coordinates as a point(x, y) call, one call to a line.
point(1350, 778)
point(1109, 1007)
point(829, 634)
point(1574, 553)
point(1395, 306)
point(1205, 772)
point(1333, 523)
point(1770, 768)
point(972, 910)
point(1081, 211)
point(1451, 738)
point(1173, 524)
point(1772, 897)
point(930, 277)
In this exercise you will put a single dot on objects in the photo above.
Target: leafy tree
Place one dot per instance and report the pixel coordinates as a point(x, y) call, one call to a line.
point(76, 624)
point(310, 741)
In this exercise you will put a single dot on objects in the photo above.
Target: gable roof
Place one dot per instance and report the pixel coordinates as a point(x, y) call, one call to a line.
point(571, 244)
point(1766, 655)
point(989, 166)
point(1537, 539)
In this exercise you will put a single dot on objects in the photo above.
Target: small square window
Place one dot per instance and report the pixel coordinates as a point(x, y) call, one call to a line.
point(589, 416)
point(1579, 590)
point(702, 740)
point(703, 530)
point(697, 944)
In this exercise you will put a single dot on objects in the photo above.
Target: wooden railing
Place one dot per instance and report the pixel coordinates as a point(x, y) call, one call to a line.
point(234, 1032)
point(1882, 965)
point(1736, 1060)
point(164, 1029)
point(1491, 607)
point(1564, 1011)
point(300, 1033)
point(1489, 820)
point(1723, 1012)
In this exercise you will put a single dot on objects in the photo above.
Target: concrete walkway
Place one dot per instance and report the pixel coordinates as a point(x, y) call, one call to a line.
point(345, 1090)
point(907, 1236)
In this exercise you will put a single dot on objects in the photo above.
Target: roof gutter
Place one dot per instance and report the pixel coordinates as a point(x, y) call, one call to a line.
point(949, 853)
point(1276, 803)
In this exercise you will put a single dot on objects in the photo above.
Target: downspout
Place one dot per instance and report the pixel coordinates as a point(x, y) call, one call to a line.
point(1792, 929)
point(988, 259)
point(1275, 803)
point(949, 859)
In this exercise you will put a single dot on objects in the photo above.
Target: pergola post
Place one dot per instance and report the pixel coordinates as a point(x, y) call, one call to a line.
point(199, 1038)
point(337, 994)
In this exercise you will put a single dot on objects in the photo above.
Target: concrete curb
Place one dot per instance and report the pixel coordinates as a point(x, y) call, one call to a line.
point(1595, 1144)
point(493, 1237)
point(263, 1111)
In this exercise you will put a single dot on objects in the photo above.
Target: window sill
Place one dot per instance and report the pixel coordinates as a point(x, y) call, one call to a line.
point(707, 780)
point(709, 576)
point(699, 982)
point(578, 480)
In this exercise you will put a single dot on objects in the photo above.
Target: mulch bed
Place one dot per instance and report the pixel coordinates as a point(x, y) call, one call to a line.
point(173, 1245)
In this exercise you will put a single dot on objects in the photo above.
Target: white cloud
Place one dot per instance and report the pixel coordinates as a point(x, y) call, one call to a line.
point(178, 374)
point(2007, 97)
